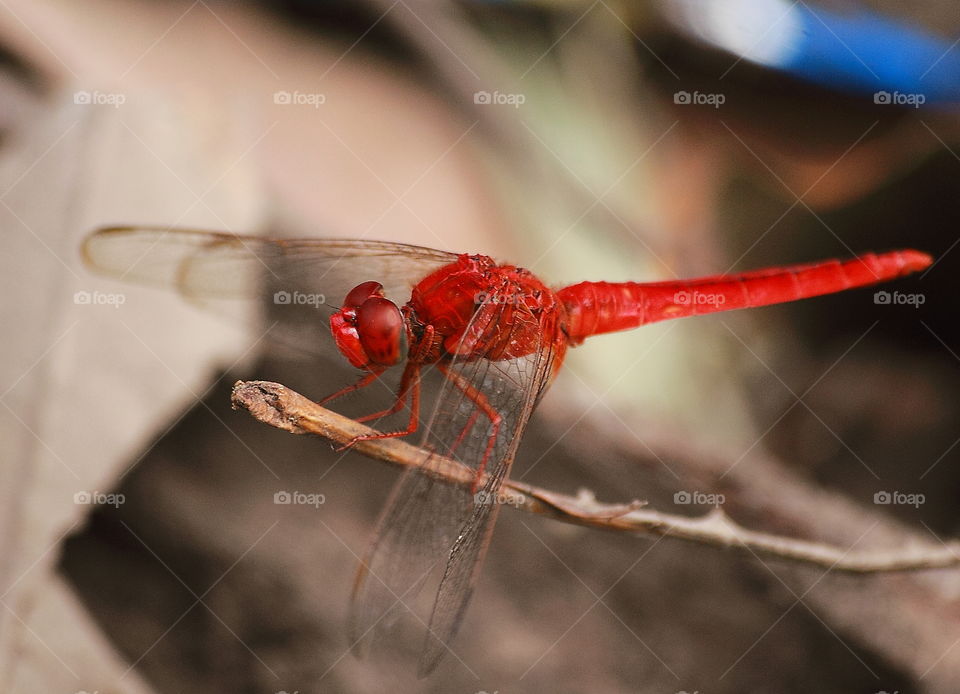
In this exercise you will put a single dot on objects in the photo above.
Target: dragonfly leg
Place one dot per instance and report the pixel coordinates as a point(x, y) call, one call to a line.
point(363, 382)
point(412, 376)
point(480, 400)
point(409, 383)
point(401, 398)
point(466, 430)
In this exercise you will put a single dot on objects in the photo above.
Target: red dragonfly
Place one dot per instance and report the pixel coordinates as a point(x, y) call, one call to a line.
point(496, 333)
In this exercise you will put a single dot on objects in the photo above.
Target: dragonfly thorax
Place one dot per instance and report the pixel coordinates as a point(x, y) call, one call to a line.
point(477, 309)
point(369, 329)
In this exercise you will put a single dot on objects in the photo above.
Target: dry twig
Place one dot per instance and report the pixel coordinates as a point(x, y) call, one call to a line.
point(285, 409)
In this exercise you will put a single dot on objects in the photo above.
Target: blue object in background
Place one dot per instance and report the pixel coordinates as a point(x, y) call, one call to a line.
point(861, 52)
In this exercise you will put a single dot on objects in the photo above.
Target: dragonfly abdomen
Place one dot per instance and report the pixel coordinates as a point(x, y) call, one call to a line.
point(594, 308)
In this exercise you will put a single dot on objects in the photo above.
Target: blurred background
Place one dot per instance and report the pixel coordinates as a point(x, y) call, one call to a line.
point(142, 550)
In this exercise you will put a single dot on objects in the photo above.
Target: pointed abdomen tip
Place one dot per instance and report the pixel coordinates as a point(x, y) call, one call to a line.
point(915, 260)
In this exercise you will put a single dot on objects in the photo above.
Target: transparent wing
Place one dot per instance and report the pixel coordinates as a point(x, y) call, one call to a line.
point(227, 273)
point(427, 523)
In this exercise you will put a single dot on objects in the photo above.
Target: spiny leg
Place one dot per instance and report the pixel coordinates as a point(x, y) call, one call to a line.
point(463, 434)
point(405, 382)
point(414, 388)
point(362, 382)
point(409, 382)
point(480, 400)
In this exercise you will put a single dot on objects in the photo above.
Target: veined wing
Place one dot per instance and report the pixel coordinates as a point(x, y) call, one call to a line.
point(428, 523)
point(226, 272)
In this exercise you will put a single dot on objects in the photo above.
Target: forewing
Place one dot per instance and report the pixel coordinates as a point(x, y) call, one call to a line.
point(427, 522)
point(228, 273)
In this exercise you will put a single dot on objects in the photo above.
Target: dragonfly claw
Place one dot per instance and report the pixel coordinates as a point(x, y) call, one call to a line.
point(348, 445)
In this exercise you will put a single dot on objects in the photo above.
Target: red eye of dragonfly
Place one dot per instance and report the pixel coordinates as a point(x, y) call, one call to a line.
point(368, 329)
point(381, 330)
point(361, 293)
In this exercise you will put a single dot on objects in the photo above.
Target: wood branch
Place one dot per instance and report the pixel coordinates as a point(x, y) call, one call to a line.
point(278, 406)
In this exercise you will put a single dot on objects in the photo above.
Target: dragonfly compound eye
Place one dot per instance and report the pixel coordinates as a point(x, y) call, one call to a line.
point(381, 331)
point(361, 293)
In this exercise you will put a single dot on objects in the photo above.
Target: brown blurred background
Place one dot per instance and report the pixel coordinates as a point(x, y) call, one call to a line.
point(362, 120)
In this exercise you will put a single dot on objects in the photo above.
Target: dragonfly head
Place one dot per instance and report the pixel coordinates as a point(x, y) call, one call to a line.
point(369, 328)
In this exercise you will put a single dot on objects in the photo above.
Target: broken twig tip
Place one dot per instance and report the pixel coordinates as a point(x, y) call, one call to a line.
point(263, 400)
